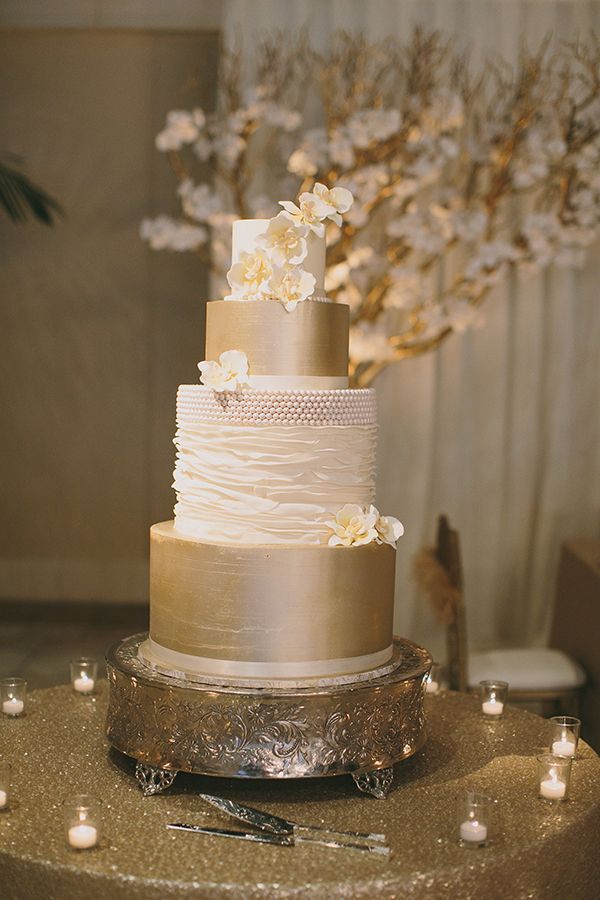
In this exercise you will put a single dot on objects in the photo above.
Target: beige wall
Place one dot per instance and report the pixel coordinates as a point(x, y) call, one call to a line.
point(96, 330)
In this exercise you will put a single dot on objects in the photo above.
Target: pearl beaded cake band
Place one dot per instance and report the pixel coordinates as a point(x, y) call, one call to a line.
point(196, 403)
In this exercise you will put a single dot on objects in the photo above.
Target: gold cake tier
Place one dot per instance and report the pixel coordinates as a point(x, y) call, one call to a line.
point(310, 341)
point(269, 611)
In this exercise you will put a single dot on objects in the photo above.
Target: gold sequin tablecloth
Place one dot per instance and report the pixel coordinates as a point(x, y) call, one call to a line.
point(539, 851)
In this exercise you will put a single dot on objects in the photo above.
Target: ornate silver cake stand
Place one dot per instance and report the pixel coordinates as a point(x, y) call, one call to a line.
point(171, 725)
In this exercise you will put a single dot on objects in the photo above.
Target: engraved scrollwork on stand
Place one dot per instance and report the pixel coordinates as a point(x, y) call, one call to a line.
point(289, 733)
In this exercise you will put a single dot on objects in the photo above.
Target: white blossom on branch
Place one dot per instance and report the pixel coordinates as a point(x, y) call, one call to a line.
point(459, 172)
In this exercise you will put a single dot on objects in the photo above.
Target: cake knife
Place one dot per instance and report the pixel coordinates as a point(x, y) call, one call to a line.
point(281, 840)
point(268, 822)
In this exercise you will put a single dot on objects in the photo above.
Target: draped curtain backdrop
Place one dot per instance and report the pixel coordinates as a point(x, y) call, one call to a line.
point(501, 427)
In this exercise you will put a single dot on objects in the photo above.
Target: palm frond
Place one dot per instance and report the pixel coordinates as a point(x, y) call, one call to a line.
point(21, 198)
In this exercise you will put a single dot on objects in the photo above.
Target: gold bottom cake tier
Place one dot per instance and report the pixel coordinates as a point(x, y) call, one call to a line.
point(268, 611)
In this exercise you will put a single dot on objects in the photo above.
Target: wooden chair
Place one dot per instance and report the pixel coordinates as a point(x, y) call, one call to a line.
point(535, 674)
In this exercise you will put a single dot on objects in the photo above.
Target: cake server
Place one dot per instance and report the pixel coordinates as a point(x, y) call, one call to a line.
point(281, 840)
point(267, 822)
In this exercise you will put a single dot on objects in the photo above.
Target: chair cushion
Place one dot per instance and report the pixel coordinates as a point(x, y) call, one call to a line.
point(527, 669)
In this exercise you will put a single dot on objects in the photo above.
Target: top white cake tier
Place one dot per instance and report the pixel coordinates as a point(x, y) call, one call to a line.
point(246, 232)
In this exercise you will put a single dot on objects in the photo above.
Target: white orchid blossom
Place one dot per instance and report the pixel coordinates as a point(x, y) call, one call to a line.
point(356, 525)
point(339, 197)
point(353, 526)
point(311, 212)
point(291, 285)
point(249, 277)
point(228, 374)
point(285, 241)
point(389, 530)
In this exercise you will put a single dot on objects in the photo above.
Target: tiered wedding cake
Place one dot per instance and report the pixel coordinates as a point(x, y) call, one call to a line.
point(277, 565)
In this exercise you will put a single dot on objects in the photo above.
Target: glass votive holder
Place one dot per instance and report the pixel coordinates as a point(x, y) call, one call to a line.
point(432, 684)
point(494, 695)
point(474, 813)
point(82, 821)
point(5, 773)
point(554, 775)
point(564, 735)
point(84, 675)
point(13, 694)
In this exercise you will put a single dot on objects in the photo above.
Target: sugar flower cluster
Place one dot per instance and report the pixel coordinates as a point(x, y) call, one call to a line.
point(229, 374)
point(274, 270)
point(355, 525)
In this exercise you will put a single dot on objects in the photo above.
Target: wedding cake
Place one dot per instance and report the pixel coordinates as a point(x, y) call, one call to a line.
point(277, 565)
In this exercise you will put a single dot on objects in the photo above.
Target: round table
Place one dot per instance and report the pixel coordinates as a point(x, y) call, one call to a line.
point(538, 850)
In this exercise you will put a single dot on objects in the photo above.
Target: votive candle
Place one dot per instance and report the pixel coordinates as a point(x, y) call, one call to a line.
point(564, 735)
point(493, 698)
point(5, 773)
point(474, 819)
point(82, 821)
point(13, 692)
point(554, 773)
point(432, 683)
point(84, 674)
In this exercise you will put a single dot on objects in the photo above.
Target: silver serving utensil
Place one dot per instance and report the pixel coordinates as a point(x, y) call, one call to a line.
point(267, 822)
point(281, 840)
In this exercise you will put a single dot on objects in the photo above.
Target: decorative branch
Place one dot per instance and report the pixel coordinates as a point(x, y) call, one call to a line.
point(458, 172)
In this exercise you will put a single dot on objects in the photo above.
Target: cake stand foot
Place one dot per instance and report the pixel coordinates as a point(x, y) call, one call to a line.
point(152, 780)
point(378, 782)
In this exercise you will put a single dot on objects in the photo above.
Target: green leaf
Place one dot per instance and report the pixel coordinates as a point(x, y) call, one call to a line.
point(21, 198)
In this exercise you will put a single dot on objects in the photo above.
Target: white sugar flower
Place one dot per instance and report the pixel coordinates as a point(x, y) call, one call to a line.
point(248, 278)
point(291, 285)
point(339, 197)
point(353, 526)
point(389, 529)
point(285, 241)
point(230, 373)
point(311, 212)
